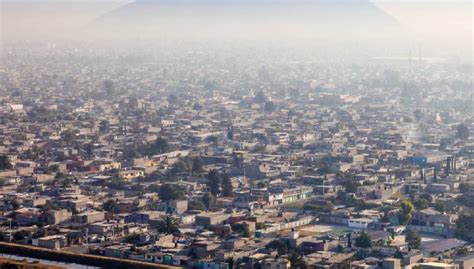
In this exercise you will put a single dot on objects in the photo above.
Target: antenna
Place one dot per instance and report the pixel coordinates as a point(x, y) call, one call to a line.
point(419, 54)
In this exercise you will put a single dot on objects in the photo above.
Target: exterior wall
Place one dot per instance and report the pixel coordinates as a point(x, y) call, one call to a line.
point(288, 225)
point(358, 223)
point(432, 230)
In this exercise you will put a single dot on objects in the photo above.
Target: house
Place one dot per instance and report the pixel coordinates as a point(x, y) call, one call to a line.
point(89, 217)
point(205, 220)
point(359, 223)
point(275, 263)
point(466, 262)
point(174, 206)
point(53, 217)
point(55, 242)
point(431, 221)
point(437, 265)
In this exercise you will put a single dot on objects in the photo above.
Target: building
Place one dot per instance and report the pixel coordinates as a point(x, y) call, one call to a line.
point(359, 223)
point(55, 242)
point(391, 263)
point(174, 206)
point(437, 265)
point(275, 263)
point(89, 217)
point(466, 262)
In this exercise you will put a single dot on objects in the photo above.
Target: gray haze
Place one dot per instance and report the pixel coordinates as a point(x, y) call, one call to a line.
point(393, 27)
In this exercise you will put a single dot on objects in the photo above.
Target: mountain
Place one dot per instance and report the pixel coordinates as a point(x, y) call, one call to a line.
point(250, 19)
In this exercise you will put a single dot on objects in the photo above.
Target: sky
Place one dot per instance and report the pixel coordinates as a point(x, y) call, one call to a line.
point(442, 20)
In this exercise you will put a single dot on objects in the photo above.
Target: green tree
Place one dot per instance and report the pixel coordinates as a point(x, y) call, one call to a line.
point(278, 245)
point(110, 205)
point(260, 97)
point(296, 259)
point(242, 229)
point(5, 162)
point(179, 167)
point(227, 189)
point(171, 192)
point(208, 200)
point(230, 262)
point(350, 185)
point(406, 210)
point(466, 187)
point(197, 205)
point(197, 164)
point(20, 235)
point(230, 133)
point(427, 197)
point(363, 241)
point(104, 126)
point(212, 139)
point(465, 226)
point(440, 207)
point(169, 225)
point(173, 99)
point(108, 87)
point(132, 238)
point(213, 182)
point(161, 146)
point(462, 132)
point(413, 239)
point(269, 107)
point(421, 203)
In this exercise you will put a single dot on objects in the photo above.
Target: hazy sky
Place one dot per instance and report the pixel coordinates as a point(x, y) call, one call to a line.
point(441, 20)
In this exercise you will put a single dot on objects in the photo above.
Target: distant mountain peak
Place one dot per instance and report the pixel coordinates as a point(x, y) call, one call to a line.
point(240, 18)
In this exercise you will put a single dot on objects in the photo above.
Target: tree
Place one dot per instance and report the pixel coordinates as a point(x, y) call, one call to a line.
point(227, 189)
point(269, 107)
point(161, 146)
point(197, 205)
point(197, 164)
point(172, 99)
point(208, 200)
point(212, 139)
point(465, 226)
point(260, 97)
point(413, 239)
point(179, 167)
point(5, 162)
point(230, 262)
point(171, 192)
point(108, 87)
point(363, 241)
point(69, 136)
point(14, 204)
point(242, 229)
point(213, 182)
point(421, 203)
point(427, 197)
point(117, 184)
point(406, 209)
point(440, 207)
point(462, 132)
point(278, 245)
point(132, 238)
point(65, 180)
point(296, 259)
point(104, 126)
point(230, 133)
point(20, 235)
point(169, 225)
point(110, 205)
point(350, 186)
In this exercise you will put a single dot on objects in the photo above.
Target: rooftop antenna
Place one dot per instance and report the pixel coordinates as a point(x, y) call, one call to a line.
point(409, 58)
point(419, 54)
